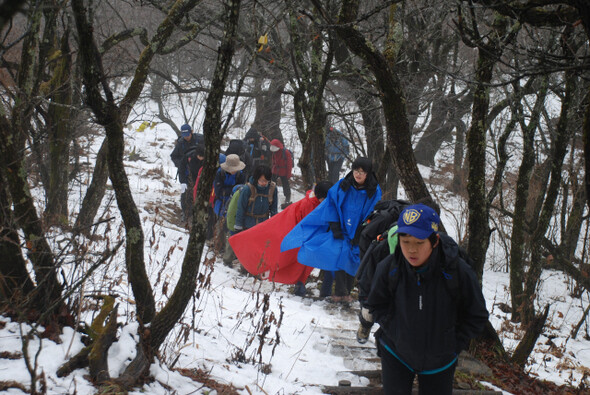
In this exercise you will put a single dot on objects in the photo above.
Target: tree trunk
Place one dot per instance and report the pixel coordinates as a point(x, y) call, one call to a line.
point(15, 283)
point(268, 110)
point(165, 320)
point(392, 99)
point(563, 135)
point(13, 136)
point(94, 193)
point(369, 106)
point(517, 241)
point(59, 125)
point(313, 72)
point(527, 344)
point(458, 184)
point(478, 226)
point(105, 331)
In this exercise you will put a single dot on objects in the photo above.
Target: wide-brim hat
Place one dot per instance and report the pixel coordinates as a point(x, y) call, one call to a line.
point(232, 164)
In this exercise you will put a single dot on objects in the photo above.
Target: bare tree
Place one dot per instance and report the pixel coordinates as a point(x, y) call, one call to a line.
point(112, 117)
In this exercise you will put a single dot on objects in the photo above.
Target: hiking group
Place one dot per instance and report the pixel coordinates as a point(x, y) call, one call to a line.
point(413, 280)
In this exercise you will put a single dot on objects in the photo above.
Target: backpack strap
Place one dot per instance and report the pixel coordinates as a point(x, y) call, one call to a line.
point(271, 192)
point(393, 273)
point(254, 194)
point(450, 273)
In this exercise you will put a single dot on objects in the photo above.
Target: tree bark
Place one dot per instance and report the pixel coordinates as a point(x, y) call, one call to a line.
point(312, 77)
point(60, 136)
point(478, 226)
point(15, 283)
point(370, 110)
point(94, 193)
point(527, 344)
point(113, 118)
point(268, 110)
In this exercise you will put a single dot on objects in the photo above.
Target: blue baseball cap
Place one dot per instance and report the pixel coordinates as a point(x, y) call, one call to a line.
point(186, 130)
point(418, 220)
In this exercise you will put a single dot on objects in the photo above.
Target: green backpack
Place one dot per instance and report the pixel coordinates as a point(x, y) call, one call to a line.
point(232, 208)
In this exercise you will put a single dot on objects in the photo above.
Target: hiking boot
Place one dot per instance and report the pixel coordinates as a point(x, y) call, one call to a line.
point(285, 205)
point(362, 334)
point(299, 289)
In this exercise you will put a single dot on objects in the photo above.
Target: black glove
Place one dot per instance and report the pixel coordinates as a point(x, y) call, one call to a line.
point(336, 230)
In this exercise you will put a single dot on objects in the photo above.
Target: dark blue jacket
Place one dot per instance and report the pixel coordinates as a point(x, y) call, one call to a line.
point(250, 214)
point(180, 149)
point(421, 323)
point(345, 204)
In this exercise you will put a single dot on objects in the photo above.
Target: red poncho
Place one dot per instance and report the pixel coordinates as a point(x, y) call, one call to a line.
point(259, 248)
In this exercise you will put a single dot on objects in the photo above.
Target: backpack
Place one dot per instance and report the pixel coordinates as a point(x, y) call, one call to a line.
point(291, 155)
point(377, 251)
point(254, 194)
point(383, 217)
point(373, 242)
point(232, 207)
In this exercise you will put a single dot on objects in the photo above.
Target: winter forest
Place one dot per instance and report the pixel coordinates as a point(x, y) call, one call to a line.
point(492, 96)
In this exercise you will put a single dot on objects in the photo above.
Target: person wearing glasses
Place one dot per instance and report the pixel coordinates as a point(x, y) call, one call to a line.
point(328, 237)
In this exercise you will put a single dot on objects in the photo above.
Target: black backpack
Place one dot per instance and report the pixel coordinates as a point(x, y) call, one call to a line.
point(373, 243)
point(383, 217)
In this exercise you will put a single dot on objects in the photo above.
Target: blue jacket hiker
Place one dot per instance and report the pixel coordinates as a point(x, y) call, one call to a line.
point(428, 303)
point(328, 236)
point(228, 175)
point(258, 199)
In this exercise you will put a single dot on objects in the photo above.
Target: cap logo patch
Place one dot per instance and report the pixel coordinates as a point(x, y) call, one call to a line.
point(411, 216)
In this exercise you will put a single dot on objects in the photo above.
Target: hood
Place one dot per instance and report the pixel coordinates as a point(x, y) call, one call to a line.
point(263, 190)
point(235, 147)
point(371, 183)
point(277, 143)
point(252, 134)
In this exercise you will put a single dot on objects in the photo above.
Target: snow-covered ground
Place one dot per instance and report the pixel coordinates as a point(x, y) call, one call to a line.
point(219, 334)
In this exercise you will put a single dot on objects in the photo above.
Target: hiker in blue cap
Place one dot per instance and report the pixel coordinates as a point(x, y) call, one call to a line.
point(186, 142)
point(428, 303)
